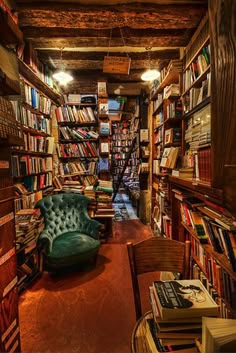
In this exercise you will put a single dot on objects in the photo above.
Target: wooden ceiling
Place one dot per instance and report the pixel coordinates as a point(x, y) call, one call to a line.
point(76, 35)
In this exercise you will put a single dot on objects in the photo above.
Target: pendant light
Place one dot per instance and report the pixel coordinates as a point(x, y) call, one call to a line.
point(61, 76)
point(151, 73)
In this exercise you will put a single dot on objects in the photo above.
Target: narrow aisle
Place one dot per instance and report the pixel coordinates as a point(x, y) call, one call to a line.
point(85, 312)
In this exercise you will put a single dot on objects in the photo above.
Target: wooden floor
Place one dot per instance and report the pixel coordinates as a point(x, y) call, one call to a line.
point(86, 312)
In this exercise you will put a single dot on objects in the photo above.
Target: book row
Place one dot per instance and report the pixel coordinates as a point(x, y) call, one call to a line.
point(77, 133)
point(29, 119)
point(36, 99)
point(39, 143)
point(84, 149)
point(197, 67)
point(37, 182)
point(82, 167)
point(73, 114)
point(25, 165)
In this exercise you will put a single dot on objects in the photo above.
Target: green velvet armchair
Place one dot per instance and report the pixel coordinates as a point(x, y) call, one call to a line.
point(70, 236)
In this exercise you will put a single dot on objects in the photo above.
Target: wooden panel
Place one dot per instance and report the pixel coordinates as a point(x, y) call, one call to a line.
point(8, 272)
point(7, 227)
point(222, 16)
point(9, 327)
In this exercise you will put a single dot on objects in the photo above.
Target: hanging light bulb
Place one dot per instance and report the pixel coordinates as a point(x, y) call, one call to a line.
point(150, 74)
point(61, 76)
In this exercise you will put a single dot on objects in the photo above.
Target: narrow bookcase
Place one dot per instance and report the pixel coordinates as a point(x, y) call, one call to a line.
point(10, 135)
point(77, 147)
point(167, 143)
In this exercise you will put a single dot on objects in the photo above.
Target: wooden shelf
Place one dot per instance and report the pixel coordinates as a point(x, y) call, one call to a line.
point(171, 77)
point(34, 131)
point(40, 154)
point(31, 174)
point(30, 76)
point(10, 33)
point(156, 111)
point(199, 187)
point(76, 141)
point(75, 123)
point(198, 107)
point(173, 121)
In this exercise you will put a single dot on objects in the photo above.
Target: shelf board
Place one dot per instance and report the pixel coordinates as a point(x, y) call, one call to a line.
point(199, 187)
point(158, 108)
point(40, 154)
point(170, 77)
point(76, 123)
point(78, 157)
point(77, 141)
point(34, 131)
point(31, 76)
point(10, 31)
point(198, 107)
point(31, 174)
point(173, 121)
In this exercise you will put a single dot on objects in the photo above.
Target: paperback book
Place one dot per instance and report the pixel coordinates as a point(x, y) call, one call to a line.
point(183, 299)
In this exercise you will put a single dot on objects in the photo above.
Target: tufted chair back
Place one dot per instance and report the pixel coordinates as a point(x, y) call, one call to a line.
point(66, 213)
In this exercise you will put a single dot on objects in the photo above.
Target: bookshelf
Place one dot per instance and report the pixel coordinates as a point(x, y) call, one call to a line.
point(31, 165)
point(10, 135)
point(77, 147)
point(167, 143)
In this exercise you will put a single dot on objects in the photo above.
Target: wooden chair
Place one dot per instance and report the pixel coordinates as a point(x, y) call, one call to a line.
point(156, 254)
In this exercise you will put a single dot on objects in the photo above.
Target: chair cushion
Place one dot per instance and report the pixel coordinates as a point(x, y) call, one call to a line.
point(72, 248)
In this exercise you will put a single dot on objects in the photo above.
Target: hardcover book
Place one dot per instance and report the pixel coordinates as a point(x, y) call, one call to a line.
point(183, 298)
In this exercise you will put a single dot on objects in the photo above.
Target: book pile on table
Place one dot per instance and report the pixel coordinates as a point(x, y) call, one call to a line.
point(178, 307)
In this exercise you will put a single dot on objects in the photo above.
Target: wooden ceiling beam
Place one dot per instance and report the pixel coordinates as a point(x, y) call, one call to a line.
point(82, 55)
point(50, 43)
point(127, 32)
point(134, 15)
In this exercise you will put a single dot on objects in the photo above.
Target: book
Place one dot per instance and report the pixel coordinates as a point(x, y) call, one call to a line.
point(183, 299)
point(218, 335)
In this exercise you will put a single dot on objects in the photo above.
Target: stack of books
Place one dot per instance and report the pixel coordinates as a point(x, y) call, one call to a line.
point(178, 307)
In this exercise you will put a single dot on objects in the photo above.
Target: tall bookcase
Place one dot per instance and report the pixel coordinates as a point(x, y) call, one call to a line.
point(78, 141)
point(9, 135)
point(206, 222)
point(167, 143)
point(32, 166)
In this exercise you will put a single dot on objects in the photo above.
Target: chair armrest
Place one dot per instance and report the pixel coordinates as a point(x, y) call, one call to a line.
point(45, 241)
point(91, 227)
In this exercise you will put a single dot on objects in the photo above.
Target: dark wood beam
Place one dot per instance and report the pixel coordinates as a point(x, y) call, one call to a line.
point(166, 54)
point(135, 15)
point(79, 42)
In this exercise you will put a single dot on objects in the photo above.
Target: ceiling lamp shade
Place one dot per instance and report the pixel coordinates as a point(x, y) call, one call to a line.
point(62, 77)
point(150, 75)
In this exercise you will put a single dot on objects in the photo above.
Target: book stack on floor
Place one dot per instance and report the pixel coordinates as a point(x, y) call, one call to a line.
point(178, 307)
point(29, 224)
